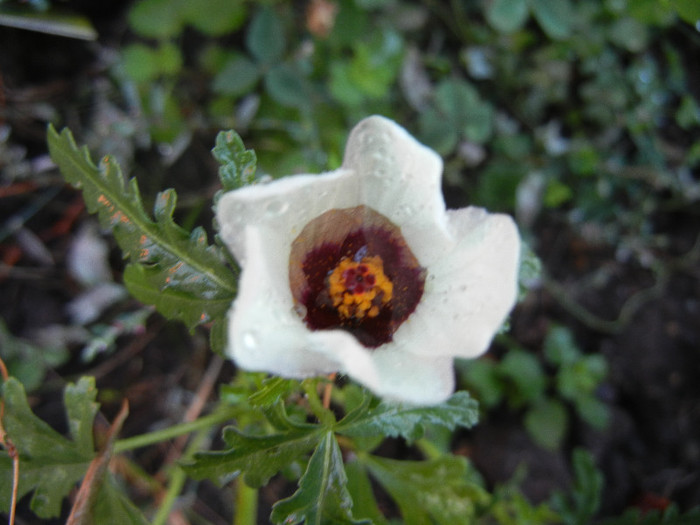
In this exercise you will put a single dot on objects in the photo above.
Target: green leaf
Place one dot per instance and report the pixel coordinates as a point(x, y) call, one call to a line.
point(525, 373)
point(237, 164)
point(265, 39)
point(630, 34)
point(238, 77)
point(530, 270)
point(360, 489)
point(547, 422)
point(272, 391)
point(688, 10)
point(322, 497)
point(170, 58)
point(560, 347)
point(113, 507)
point(482, 376)
point(507, 15)
point(409, 422)
point(557, 193)
point(593, 411)
point(435, 491)
point(436, 132)
point(140, 63)
point(286, 84)
point(580, 504)
point(156, 18)
point(81, 409)
point(183, 266)
point(554, 17)
point(28, 362)
point(463, 109)
point(51, 21)
point(50, 464)
point(215, 17)
point(144, 283)
point(258, 458)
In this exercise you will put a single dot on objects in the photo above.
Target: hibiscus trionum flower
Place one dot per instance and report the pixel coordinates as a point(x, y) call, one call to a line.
point(363, 271)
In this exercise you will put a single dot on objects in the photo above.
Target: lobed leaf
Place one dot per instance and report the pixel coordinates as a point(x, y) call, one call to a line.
point(258, 458)
point(409, 421)
point(322, 497)
point(272, 390)
point(237, 164)
point(27, 361)
point(180, 273)
point(113, 507)
point(436, 491)
point(50, 464)
point(360, 489)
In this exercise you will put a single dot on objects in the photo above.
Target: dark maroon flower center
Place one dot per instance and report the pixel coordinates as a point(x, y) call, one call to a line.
point(352, 269)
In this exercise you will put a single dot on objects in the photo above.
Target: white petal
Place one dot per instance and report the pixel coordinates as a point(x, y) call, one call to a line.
point(421, 380)
point(265, 333)
point(285, 205)
point(400, 178)
point(469, 292)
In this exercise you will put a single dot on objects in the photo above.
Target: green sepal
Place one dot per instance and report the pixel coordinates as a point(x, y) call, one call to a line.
point(409, 422)
point(179, 272)
point(50, 464)
point(322, 496)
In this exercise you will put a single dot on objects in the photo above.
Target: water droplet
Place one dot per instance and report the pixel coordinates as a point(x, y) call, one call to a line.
point(379, 153)
point(407, 210)
point(275, 208)
point(300, 310)
point(249, 340)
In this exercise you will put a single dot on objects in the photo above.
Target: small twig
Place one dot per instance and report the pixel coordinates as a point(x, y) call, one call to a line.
point(81, 513)
point(178, 477)
point(327, 390)
point(11, 450)
point(634, 303)
point(197, 405)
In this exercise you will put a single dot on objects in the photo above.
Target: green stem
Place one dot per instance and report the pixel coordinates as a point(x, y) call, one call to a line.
point(430, 450)
point(164, 434)
point(177, 481)
point(246, 512)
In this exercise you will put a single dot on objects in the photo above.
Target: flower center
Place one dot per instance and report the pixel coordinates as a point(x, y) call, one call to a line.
point(352, 269)
point(359, 289)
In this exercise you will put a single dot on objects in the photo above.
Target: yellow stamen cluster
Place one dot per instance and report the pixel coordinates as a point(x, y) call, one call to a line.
point(359, 288)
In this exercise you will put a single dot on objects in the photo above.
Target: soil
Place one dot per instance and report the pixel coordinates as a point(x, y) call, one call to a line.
point(649, 454)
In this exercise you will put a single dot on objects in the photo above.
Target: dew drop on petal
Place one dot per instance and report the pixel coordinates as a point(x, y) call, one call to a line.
point(300, 310)
point(407, 210)
point(249, 340)
point(275, 208)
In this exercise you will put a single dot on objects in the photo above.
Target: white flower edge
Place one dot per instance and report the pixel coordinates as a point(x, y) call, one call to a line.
point(471, 258)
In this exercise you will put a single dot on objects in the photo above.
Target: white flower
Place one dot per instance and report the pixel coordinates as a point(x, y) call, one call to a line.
point(363, 271)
